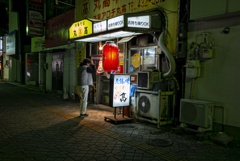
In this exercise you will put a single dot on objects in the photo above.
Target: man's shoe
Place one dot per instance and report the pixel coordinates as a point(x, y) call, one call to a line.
point(84, 115)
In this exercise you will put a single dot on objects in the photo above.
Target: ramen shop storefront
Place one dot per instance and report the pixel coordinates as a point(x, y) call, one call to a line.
point(135, 35)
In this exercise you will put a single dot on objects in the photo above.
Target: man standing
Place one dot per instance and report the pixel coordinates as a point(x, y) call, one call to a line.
point(84, 79)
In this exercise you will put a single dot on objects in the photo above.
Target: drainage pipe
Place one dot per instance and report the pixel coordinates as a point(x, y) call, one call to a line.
point(169, 56)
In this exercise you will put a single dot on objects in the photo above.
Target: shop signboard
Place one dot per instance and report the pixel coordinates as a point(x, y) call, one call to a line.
point(56, 29)
point(100, 27)
point(36, 1)
point(139, 22)
point(37, 44)
point(80, 29)
point(11, 43)
point(121, 90)
point(116, 22)
point(107, 9)
point(35, 18)
point(35, 31)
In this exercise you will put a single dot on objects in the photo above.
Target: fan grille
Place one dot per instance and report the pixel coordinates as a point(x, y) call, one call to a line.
point(188, 111)
point(144, 104)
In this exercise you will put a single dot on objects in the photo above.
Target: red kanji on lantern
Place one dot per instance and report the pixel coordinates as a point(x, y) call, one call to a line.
point(110, 57)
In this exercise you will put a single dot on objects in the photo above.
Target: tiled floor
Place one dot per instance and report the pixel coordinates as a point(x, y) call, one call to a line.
point(40, 126)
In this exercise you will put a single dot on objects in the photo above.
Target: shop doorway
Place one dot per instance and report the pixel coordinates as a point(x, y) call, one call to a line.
point(57, 72)
point(32, 69)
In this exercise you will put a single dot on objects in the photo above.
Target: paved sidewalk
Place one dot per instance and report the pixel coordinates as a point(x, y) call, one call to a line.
point(40, 126)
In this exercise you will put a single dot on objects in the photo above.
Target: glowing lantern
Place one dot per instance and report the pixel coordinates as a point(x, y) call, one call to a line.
point(110, 57)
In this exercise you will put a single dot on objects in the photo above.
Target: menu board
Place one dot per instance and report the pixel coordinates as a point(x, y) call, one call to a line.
point(121, 90)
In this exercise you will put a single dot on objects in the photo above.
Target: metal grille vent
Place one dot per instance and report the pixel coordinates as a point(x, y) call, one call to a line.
point(144, 104)
point(143, 80)
point(189, 112)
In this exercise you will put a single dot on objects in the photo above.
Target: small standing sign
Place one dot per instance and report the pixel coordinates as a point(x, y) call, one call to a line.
point(119, 95)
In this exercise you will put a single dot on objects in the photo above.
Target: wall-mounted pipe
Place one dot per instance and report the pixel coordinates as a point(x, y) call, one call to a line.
point(169, 56)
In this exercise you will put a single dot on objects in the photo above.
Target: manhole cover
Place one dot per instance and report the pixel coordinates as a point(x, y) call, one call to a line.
point(157, 132)
point(127, 127)
point(160, 142)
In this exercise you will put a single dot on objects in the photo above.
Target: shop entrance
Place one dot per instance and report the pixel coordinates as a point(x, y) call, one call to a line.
point(57, 72)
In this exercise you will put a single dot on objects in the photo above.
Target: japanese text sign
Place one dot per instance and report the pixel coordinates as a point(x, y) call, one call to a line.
point(100, 26)
point(121, 90)
point(80, 29)
point(139, 22)
point(116, 22)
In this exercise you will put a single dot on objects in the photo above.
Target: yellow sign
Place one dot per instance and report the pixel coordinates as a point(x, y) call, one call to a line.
point(136, 60)
point(80, 29)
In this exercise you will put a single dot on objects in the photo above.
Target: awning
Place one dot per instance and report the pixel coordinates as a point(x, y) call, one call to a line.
point(123, 26)
point(105, 37)
point(125, 39)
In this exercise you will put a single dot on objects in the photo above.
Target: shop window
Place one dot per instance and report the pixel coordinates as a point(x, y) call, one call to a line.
point(135, 61)
point(141, 59)
point(149, 58)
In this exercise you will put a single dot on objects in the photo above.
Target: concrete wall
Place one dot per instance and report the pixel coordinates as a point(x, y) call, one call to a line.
point(49, 72)
point(219, 79)
point(68, 71)
point(42, 70)
point(208, 8)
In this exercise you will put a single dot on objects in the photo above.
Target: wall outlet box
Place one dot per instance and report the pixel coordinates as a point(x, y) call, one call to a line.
point(207, 53)
point(191, 72)
point(193, 63)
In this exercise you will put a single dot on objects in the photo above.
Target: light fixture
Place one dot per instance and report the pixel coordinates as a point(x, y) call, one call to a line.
point(110, 57)
point(100, 45)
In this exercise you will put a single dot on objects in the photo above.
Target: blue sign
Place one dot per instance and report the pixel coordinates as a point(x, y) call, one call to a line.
point(131, 68)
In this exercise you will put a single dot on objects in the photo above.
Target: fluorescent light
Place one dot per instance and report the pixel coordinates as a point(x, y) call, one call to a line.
point(110, 36)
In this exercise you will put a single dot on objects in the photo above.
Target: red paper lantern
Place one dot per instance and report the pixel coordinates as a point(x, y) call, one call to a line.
point(110, 57)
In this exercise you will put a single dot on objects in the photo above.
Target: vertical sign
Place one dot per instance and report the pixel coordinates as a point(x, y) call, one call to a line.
point(11, 43)
point(35, 18)
point(121, 90)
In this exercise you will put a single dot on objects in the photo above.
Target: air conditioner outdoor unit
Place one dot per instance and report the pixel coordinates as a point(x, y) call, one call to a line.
point(146, 79)
point(196, 112)
point(148, 106)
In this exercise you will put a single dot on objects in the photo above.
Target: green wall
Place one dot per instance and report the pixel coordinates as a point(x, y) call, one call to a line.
point(220, 79)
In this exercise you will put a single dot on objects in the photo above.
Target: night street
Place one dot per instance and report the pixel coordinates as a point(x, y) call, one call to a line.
point(41, 126)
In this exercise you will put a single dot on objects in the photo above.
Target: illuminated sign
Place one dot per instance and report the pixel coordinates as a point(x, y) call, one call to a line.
point(116, 22)
point(139, 22)
point(79, 29)
point(100, 26)
point(121, 90)
point(11, 43)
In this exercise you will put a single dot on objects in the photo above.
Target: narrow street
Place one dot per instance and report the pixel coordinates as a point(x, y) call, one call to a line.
point(42, 126)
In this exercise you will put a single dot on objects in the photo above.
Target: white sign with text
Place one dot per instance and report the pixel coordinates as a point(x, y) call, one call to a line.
point(121, 90)
point(139, 22)
point(116, 22)
point(100, 26)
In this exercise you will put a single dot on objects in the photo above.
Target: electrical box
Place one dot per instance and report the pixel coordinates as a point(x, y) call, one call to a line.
point(182, 49)
point(182, 31)
point(207, 53)
point(193, 69)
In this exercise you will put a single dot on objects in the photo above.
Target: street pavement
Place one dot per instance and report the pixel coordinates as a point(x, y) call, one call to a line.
point(42, 126)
